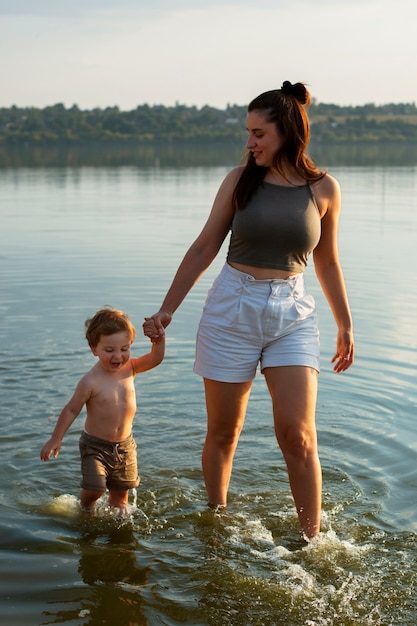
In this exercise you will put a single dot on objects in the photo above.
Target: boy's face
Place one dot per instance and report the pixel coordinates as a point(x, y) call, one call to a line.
point(113, 351)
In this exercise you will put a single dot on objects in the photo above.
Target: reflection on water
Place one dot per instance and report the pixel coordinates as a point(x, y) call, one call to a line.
point(74, 239)
point(194, 154)
point(365, 155)
point(127, 154)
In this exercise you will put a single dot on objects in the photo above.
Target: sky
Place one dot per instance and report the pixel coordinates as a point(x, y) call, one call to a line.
point(100, 53)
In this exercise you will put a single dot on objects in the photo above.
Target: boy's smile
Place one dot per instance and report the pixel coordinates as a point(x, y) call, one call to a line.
point(113, 351)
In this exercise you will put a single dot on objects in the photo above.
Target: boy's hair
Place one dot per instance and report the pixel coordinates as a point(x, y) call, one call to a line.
point(108, 321)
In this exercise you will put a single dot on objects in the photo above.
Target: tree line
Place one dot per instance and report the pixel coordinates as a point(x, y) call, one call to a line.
point(330, 123)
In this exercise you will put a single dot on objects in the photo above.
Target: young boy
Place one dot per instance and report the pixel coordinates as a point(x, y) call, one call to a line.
point(107, 447)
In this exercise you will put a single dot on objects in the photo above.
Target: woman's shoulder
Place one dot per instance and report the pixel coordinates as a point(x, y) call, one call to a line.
point(230, 180)
point(235, 173)
point(326, 188)
point(328, 184)
point(327, 194)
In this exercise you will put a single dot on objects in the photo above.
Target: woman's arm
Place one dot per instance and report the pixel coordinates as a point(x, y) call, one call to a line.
point(330, 274)
point(198, 257)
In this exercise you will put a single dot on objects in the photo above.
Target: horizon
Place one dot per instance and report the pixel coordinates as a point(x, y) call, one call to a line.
point(198, 107)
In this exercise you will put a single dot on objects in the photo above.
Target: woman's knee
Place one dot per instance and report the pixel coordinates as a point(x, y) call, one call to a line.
point(298, 442)
point(224, 437)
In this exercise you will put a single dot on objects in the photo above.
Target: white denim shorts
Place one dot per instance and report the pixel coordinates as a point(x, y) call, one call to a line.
point(248, 322)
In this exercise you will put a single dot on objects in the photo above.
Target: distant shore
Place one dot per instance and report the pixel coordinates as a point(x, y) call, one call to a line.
point(150, 125)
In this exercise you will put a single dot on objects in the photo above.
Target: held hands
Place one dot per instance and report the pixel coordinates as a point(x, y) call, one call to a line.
point(154, 326)
point(344, 356)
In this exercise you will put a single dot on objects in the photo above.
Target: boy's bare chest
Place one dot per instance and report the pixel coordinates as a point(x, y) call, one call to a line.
point(115, 392)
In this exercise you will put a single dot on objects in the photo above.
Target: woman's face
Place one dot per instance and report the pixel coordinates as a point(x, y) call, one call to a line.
point(264, 139)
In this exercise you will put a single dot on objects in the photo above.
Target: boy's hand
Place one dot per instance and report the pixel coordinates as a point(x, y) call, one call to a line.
point(154, 327)
point(51, 447)
point(156, 338)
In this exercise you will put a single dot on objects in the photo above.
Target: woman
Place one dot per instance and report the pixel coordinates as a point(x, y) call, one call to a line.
point(279, 207)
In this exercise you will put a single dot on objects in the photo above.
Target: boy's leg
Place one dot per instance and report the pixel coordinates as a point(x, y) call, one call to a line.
point(123, 474)
point(118, 498)
point(93, 471)
point(88, 498)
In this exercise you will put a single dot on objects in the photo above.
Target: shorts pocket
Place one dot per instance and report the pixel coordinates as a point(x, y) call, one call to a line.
point(223, 301)
point(304, 306)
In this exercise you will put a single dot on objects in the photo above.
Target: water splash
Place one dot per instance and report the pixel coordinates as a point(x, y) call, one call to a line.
point(325, 582)
point(68, 506)
point(64, 505)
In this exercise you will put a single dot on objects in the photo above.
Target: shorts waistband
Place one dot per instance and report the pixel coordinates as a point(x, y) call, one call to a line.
point(244, 276)
point(111, 444)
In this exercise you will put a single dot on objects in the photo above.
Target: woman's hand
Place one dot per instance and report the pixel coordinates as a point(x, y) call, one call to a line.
point(344, 356)
point(154, 326)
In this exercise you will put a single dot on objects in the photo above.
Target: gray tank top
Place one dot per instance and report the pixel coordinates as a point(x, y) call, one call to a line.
point(279, 228)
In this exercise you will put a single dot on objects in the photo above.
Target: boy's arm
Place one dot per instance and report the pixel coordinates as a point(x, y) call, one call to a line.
point(150, 360)
point(68, 414)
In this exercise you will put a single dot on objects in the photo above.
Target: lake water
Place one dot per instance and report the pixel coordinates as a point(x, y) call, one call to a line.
point(76, 238)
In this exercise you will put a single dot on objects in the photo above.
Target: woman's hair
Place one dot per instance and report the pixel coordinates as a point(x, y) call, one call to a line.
point(108, 321)
point(286, 108)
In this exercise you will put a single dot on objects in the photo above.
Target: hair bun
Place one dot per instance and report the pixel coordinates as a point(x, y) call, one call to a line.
point(286, 87)
point(297, 91)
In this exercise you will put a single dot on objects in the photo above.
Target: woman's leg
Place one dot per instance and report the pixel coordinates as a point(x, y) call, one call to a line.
point(226, 408)
point(294, 393)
